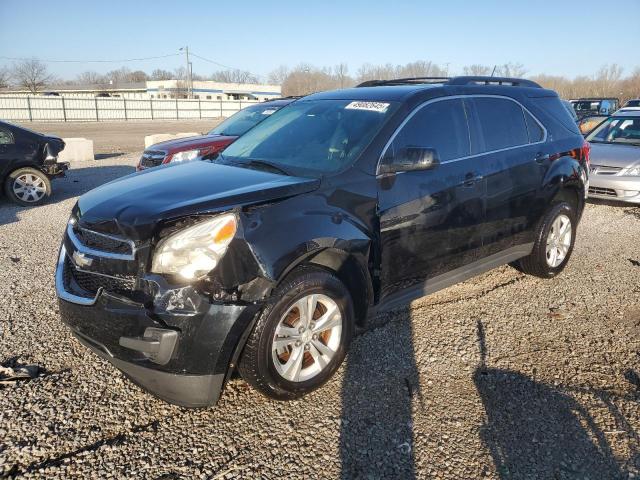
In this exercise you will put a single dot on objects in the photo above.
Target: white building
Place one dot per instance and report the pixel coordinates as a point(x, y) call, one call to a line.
point(158, 89)
point(209, 90)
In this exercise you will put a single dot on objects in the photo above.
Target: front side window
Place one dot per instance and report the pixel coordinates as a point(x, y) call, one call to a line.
point(441, 125)
point(314, 136)
point(502, 123)
point(617, 130)
point(5, 137)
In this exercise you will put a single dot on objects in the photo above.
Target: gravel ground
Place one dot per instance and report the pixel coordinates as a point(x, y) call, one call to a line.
point(504, 376)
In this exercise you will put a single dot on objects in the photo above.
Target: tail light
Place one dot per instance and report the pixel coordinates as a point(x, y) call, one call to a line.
point(582, 154)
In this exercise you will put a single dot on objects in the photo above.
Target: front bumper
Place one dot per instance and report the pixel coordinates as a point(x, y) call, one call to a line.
point(614, 187)
point(182, 356)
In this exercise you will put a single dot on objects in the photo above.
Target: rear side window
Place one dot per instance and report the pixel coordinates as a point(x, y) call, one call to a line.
point(536, 134)
point(440, 125)
point(553, 106)
point(502, 123)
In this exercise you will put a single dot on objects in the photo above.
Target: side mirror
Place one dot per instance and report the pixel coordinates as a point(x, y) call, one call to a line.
point(411, 158)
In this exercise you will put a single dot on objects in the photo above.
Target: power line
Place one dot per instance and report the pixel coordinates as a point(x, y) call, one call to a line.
point(93, 61)
point(222, 64)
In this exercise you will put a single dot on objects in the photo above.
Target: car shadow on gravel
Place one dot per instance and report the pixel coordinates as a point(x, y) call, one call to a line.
point(379, 387)
point(77, 182)
point(535, 430)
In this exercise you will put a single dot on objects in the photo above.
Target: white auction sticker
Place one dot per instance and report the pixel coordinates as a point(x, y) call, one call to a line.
point(269, 112)
point(370, 106)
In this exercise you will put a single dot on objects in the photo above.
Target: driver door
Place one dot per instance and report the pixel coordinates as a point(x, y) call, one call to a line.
point(430, 220)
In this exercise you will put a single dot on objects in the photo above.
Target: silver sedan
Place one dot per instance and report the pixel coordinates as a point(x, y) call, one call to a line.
point(615, 158)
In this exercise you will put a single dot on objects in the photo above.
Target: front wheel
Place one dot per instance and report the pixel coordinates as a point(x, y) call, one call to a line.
point(554, 242)
point(301, 337)
point(27, 187)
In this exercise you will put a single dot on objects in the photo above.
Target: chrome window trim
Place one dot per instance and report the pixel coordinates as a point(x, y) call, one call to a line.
point(62, 292)
point(452, 97)
point(99, 253)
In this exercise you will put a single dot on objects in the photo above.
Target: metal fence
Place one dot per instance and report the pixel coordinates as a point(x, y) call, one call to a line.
point(69, 109)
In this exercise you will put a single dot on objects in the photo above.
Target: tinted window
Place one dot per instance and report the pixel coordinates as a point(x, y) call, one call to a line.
point(536, 134)
point(553, 106)
point(240, 122)
point(440, 125)
point(501, 122)
point(5, 137)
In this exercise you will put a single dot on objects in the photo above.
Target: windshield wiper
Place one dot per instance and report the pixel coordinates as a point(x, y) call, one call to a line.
point(268, 165)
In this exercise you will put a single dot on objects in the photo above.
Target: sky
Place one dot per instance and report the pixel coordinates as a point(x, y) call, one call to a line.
point(561, 37)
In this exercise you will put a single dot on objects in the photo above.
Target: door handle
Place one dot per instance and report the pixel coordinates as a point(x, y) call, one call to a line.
point(542, 158)
point(471, 178)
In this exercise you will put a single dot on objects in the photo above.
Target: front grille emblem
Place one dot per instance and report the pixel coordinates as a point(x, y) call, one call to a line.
point(81, 260)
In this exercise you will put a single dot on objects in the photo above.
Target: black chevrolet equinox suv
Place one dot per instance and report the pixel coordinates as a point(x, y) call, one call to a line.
point(267, 259)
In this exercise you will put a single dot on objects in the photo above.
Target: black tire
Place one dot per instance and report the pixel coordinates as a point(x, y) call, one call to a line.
point(256, 364)
point(29, 200)
point(536, 263)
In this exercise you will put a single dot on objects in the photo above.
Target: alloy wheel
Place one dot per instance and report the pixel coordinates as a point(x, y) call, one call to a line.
point(307, 337)
point(559, 241)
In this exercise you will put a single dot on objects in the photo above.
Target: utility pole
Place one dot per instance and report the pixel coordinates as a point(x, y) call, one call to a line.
point(188, 73)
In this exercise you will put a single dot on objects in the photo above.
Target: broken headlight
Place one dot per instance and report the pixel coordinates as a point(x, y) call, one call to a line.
point(195, 251)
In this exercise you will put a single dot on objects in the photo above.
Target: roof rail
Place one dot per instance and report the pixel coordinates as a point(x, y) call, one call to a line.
point(403, 81)
point(480, 80)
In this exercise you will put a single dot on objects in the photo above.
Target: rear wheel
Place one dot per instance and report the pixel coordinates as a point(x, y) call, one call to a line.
point(27, 186)
point(301, 337)
point(554, 243)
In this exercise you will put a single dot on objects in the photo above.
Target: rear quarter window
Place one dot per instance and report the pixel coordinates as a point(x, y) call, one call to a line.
point(554, 108)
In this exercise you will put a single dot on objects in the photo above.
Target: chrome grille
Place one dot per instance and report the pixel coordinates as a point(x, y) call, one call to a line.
point(604, 170)
point(602, 191)
point(105, 243)
point(92, 282)
point(152, 158)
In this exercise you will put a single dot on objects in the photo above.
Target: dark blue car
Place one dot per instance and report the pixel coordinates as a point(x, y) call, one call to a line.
point(266, 259)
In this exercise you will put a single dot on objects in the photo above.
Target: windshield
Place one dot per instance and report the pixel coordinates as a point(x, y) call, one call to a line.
point(238, 123)
point(313, 137)
point(633, 103)
point(617, 130)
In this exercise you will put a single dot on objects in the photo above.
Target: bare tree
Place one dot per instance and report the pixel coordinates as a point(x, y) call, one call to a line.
point(278, 76)
point(5, 76)
point(477, 70)
point(234, 76)
point(137, 76)
point(90, 78)
point(160, 74)
point(31, 74)
point(341, 72)
point(514, 70)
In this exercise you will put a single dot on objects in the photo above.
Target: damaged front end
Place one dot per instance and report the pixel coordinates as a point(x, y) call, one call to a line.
point(176, 337)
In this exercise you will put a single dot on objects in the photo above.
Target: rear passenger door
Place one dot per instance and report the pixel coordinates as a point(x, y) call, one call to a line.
point(430, 220)
point(509, 143)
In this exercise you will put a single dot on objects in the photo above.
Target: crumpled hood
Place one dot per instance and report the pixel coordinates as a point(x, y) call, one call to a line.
point(133, 205)
point(614, 154)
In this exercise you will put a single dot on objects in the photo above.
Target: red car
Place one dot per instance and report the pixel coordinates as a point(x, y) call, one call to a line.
point(205, 146)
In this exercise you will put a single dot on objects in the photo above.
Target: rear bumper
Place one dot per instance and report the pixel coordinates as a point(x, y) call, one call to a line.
point(182, 356)
point(56, 169)
point(613, 187)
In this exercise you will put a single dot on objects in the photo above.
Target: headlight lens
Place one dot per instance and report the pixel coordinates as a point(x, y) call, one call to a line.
point(633, 171)
point(185, 156)
point(195, 251)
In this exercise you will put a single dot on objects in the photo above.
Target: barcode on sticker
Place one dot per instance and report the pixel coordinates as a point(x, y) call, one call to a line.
point(370, 106)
